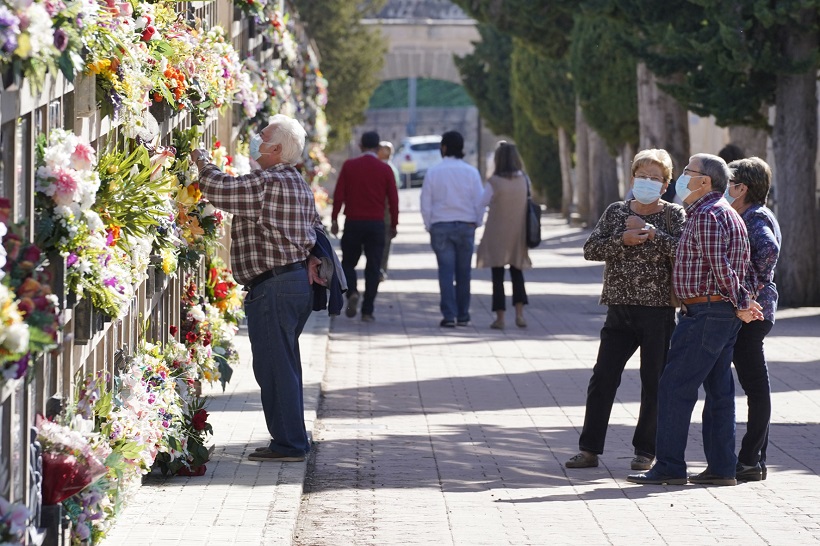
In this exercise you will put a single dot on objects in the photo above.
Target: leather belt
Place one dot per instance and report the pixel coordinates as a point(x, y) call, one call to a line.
point(703, 299)
point(277, 270)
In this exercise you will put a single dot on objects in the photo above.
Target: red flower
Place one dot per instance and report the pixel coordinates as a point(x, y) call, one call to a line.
point(191, 337)
point(148, 33)
point(199, 420)
point(221, 290)
point(31, 254)
point(173, 329)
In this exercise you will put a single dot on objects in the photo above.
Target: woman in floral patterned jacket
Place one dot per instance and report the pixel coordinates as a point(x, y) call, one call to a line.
point(637, 239)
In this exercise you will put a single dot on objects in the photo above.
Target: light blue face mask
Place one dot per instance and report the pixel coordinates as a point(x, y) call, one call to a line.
point(646, 191)
point(727, 196)
point(682, 186)
point(254, 145)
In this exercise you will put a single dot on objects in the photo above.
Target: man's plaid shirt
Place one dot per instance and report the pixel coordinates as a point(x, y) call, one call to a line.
point(713, 252)
point(274, 217)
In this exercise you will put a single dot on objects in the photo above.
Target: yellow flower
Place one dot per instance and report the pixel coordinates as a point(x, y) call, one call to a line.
point(23, 46)
point(189, 195)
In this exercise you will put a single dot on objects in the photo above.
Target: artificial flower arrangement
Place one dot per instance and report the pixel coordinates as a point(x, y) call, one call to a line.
point(197, 331)
point(39, 37)
point(14, 518)
point(200, 222)
point(72, 460)
point(134, 201)
point(252, 8)
point(29, 319)
point(66, 182)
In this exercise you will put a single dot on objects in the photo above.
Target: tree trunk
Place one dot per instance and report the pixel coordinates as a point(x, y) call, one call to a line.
point(664, 123)
point(603, 177)
point(565, 157)
point(627, 155)
point(795, 149)
point(582, 164)
point(752, 141)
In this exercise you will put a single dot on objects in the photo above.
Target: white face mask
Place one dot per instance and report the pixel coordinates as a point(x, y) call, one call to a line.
point(646, 191)
point(682, 186)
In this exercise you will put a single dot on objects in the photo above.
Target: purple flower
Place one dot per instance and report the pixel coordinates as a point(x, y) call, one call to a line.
point(22, 367)
point(71, 260)
point(60, 40)
point(111, 281)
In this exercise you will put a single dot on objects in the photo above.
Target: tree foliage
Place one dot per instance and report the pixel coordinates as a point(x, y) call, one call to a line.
point(543, 87)
point(604, 73)
point(352, 57)
point(541, 23)
point(485, 75)
point(540, 155)
point(733, 59)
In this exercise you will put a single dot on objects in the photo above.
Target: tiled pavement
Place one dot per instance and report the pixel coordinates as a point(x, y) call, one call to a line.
point(430, 436)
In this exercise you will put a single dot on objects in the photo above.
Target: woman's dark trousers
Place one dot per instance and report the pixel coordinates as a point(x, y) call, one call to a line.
point(519, 292)
point(753, 375)
point(628, 327)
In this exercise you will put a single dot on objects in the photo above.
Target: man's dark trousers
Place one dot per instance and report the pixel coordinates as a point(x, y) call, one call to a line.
point(367, 236)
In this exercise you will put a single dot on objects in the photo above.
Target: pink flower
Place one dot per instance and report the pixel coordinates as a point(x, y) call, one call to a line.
point(83, 157)
point(65, 187)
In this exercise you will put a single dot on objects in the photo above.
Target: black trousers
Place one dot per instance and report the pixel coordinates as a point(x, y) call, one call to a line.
point(519, 292)
point(753, 375)
point(367, 236)
point(628, 327)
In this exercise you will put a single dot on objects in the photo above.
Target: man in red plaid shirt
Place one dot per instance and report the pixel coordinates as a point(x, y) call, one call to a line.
point(273, 230)
point(708, 277)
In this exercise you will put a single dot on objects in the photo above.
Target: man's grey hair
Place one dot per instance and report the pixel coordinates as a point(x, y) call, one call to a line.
point(291, 135)
point(715, 168)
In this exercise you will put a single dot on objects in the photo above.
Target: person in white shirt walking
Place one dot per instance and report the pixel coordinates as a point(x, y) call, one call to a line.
point(451, 207)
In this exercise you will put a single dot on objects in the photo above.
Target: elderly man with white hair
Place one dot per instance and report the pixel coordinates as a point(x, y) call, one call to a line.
point(273, 231)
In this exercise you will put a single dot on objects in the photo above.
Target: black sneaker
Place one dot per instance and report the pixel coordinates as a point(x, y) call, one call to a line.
point(745, 473)
point(268, 455)
point(446, 323)
point(463, 322)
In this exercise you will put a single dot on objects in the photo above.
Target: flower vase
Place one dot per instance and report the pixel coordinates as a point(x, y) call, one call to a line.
point(161, 111)
point(53, 523)
point(12, 78)
point(87, 322)
point(56, 269)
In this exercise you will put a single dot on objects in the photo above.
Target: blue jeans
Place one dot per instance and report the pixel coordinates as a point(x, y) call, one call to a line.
point(369, 236)
point(453, 244)
point(700, 354)
point(277, 310)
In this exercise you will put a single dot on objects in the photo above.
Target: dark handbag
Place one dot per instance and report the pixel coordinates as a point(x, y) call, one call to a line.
point(533, 220)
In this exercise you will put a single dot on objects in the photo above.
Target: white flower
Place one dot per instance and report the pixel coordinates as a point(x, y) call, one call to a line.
point(16, 338)
point(196, 313)
point(93, 220)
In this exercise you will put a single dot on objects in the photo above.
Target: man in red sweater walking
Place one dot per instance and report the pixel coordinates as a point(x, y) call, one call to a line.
point(365, 184)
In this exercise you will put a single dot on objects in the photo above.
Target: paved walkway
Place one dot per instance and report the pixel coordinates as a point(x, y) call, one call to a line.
point(433, 436)
point(430, 436)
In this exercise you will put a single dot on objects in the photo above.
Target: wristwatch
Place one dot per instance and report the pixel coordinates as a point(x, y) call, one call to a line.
point(202, 155)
